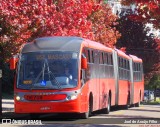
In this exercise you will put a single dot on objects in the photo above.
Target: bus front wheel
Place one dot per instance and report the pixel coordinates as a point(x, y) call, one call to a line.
point(87, 114)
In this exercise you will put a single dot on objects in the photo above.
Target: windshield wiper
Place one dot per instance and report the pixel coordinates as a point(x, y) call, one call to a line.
point(35, 81)
point(55, 80)
point(50, 74)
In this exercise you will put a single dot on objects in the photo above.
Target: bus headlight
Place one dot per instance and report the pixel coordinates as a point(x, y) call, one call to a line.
point(18, 98)
point(71, 97)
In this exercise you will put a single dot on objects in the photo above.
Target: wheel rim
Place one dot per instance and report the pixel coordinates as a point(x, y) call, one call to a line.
point(108, 104)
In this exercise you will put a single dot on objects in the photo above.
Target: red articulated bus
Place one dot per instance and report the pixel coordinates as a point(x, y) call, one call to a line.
point(74, 75)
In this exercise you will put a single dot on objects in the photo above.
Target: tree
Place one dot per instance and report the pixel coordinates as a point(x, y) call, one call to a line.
point(136, 41)
point(148, 11)
point(22, 21)
point(154, 83)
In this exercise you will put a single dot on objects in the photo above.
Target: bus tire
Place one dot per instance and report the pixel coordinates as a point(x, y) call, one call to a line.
point(86, 115)
point(139, 102)
point(107, 110)
point(126, 107)
point(128, 102)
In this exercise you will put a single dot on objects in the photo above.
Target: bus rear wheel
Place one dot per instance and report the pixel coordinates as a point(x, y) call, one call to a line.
point(139, 102)
point(128, 102)
point(107, 110)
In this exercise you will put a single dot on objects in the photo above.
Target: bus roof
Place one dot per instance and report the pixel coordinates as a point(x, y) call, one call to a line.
point(122, 54)
point(57, 43)
point(96, 45)
point(61, 43)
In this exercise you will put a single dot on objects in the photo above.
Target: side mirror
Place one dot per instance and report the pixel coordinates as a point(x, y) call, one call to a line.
point(84, 62)
point(13, 62)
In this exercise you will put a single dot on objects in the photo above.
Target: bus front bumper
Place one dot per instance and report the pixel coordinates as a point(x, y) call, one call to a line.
point(72, 106)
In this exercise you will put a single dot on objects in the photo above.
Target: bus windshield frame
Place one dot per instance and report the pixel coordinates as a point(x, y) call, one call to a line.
point(47, 70)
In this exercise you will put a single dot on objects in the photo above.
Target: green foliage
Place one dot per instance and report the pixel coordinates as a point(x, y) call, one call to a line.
point(154, 82)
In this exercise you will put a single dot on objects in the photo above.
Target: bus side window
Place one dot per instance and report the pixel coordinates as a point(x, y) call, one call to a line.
point(105, 58)
point(93, 61)
point(89, 56)
point(85, 53)
point(111, 59)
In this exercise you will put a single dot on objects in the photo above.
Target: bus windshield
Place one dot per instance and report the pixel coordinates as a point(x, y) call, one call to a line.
point(48, 70)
